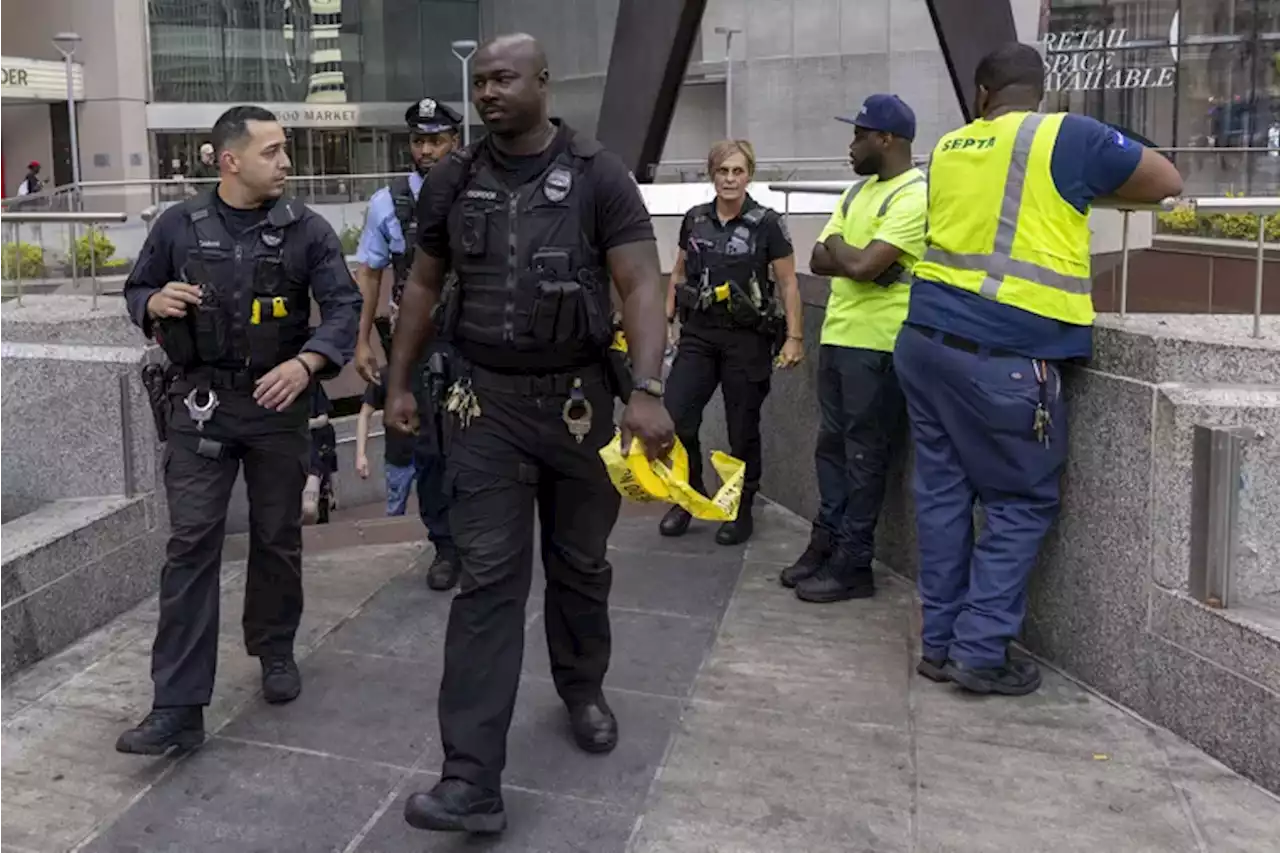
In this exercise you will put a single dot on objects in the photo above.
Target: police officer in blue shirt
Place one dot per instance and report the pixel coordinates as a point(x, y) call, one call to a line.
point(390, 235)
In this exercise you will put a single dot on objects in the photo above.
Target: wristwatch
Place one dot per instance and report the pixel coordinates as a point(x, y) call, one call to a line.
point(652, 387)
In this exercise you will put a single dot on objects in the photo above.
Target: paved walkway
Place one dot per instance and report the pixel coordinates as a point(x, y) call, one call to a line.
point(750, 722)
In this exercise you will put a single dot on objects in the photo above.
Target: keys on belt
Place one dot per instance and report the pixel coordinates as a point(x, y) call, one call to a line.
point(462, 401)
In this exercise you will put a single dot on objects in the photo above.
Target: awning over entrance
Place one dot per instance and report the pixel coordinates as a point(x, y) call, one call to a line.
point(40, 80)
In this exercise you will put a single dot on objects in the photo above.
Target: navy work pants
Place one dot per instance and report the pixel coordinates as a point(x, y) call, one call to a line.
point(972, 421)
point(861, 420)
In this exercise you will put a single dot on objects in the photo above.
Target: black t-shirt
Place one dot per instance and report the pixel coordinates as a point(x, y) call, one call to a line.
point(240, 220)
point(398, 446)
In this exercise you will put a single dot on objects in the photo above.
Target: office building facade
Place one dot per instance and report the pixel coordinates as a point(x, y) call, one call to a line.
point(339, 73)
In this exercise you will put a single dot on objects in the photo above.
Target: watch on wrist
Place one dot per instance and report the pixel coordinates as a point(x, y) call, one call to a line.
point(652, 387)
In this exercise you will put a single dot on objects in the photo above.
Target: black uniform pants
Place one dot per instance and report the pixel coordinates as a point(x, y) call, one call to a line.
point(275, 449)
point(862, 419)
point(518, 455)
point(738, 360)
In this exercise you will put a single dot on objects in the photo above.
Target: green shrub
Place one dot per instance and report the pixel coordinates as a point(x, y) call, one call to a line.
point(22, 260)
point(1181, 220)
point(93, 251)
point(350, 239)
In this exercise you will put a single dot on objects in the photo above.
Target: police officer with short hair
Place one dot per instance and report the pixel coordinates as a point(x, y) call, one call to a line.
point(734, 286)
point(535, 219)
point(224, 283)
point(390, 235)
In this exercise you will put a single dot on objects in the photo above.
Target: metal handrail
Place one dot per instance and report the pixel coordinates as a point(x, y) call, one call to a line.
point(1262, 206)
point(72, 219)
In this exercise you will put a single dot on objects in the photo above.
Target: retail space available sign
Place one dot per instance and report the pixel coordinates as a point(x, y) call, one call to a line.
point(1087, 60)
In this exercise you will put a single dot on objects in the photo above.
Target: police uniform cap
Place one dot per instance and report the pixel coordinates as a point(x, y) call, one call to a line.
point(431, 116)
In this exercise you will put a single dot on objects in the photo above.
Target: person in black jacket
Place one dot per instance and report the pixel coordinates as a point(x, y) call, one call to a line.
point(225, 283)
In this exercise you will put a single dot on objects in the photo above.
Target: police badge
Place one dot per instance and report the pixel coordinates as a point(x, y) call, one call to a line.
point(557, 185)
point(426, 108)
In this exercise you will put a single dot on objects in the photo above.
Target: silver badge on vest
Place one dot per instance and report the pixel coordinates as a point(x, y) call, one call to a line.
point(271, 239)
point(557, 185)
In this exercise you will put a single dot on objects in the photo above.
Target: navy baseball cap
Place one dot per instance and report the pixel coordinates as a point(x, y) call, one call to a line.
point(431, 116)
point(885, 113)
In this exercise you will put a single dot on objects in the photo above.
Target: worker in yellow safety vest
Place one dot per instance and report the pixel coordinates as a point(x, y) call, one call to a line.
point(1001, 299)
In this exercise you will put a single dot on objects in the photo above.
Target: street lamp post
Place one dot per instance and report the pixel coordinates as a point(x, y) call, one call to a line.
point(728, 33)
point(66, 43)
point(464, 49)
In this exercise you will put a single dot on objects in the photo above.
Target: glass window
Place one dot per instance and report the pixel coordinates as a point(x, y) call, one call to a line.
point(273, 50)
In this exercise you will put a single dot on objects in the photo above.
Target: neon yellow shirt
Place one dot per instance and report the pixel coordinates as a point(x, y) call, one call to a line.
point(864, 314)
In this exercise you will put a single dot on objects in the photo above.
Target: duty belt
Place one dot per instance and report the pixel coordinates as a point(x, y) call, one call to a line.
point(537, 384)
point(219, 379)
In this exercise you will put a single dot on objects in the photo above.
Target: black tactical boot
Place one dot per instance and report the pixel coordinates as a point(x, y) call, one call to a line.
point(810, 561)
point(180, 728)
point(595, 728)
point(1016, 677)
point(839, 579)
point(455, 805)
point(675, 522)
point(281, 681)
point(934, 669)
point(443, 572)
point(739, 530)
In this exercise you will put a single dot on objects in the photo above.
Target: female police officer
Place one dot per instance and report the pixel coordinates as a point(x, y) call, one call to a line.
point(731, 322)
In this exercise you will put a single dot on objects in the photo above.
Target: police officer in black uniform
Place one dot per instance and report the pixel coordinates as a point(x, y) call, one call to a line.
point(390, 234)
point(224, 283)
point(535, 219)
point(734, 287)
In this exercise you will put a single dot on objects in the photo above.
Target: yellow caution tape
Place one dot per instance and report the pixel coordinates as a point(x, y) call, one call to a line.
point(638, 479)
point(722, 292)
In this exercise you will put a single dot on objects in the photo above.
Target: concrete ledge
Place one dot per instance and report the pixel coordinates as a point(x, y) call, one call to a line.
point(67, 319)
point(75, 565)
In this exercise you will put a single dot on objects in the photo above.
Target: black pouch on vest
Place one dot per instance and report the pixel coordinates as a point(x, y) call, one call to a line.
point(446, 312)
point(554, 316)
point(597, 323)
point(686, 301)
point(475, 228)
point(211, 327)
point(176, 336)
point(742, 311)
point(263, 330)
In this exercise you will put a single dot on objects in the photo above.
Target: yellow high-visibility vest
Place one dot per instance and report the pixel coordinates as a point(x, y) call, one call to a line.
point(997, 224)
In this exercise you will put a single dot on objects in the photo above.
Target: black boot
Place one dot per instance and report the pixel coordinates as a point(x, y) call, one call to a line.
point(839, 579)
point(595, 728)
point(739, 530)
point(455, 805)
point(810, 561)
point(443, 572)
point(934, 669)
point(675, 522)
point(281, 681)
point(180, 727)
point(1016, 677)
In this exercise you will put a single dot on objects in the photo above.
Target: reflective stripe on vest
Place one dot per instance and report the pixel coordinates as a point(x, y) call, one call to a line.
point(1000, 262)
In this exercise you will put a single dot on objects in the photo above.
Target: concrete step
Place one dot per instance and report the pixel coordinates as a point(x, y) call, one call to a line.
point(69, 567)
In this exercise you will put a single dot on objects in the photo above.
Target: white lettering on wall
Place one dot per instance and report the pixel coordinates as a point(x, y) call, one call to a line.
point(1086, 60)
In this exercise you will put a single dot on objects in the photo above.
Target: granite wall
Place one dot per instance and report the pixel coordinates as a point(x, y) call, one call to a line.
point(1108, 602)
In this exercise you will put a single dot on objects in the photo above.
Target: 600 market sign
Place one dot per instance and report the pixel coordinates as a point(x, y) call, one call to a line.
point(1085, 60)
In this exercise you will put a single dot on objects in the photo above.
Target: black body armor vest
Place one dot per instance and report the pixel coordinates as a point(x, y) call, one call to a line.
point(733, 256)
point(530, 278)
point(406, 214)
point(255, 302)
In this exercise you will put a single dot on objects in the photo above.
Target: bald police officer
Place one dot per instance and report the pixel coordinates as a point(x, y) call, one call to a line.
point(390, 235)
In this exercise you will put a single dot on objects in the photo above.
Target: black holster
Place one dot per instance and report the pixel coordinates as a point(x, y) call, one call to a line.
point(437, 378)
point(618, 374)
point(155, 380)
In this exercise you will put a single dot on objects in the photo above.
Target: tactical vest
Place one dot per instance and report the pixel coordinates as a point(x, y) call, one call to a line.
point(255, 302)
point(717, 256)
point(406, 214)
point(529, 276)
